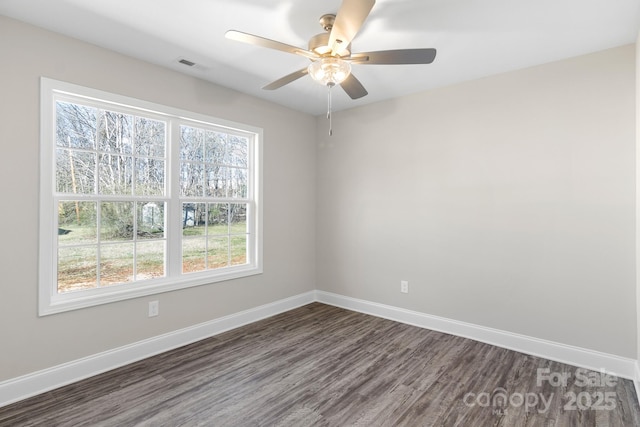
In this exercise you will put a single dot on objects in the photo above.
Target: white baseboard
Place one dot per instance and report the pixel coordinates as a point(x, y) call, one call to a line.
point(576, 356)
point(20, 388)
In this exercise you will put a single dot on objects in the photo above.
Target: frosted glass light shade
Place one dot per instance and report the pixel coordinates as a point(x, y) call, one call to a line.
point(329, 71)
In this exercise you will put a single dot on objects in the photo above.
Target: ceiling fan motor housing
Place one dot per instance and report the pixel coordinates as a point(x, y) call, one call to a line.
point(320, 42)
point(320, 45)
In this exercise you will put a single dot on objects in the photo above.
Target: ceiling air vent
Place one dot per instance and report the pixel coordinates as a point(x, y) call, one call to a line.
point(187, 62)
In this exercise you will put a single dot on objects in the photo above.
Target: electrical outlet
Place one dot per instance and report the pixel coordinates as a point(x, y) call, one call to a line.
point(404, 286)
point(154, 308)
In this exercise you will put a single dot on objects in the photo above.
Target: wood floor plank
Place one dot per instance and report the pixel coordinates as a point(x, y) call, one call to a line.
point(324, 366)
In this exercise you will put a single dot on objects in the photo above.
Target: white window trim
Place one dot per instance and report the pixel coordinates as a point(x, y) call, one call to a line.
point(50, 301)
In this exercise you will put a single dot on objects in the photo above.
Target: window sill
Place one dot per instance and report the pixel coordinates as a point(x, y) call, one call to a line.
point(59, 303)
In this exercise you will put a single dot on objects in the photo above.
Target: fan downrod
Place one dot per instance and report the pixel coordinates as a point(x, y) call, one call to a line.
point(326, 21)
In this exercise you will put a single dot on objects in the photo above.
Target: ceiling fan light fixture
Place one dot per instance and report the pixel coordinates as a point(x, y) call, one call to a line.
point(329, 71)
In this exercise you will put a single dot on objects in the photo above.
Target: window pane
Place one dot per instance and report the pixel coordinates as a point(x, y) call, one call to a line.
point(238, 218)
point(116, 174)
point(116, 221)
point(217, 181)
point(76, 222)
point(238, 183)
point(237, 153)
point(151, 223)
point(116, 264)
point(193, 219)
point(193, 254)
point(150, 260)
point(214, 147)
point(75, 126)
point(150, 136)
point(75, 172)
point(238, 250)
point(114, 132)
point(218, 219)
point(149, 177)
point(218, 252)
point(191, 143)
point(77, 268)
point(192, 180)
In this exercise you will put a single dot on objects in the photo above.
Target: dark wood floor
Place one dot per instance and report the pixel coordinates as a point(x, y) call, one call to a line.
point(323, 366)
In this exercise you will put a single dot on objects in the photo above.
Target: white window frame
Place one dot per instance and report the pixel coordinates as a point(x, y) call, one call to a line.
point(50, 301)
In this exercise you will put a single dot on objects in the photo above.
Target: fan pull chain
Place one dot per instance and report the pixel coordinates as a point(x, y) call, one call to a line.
point(330, 86)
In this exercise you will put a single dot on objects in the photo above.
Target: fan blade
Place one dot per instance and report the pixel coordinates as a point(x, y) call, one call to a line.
point(271, 44)
point(349, 20)
point(353, 87)
point(286, 79)
point(400, 56)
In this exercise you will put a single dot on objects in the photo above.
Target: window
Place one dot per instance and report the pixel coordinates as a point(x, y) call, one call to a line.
point(138, 198)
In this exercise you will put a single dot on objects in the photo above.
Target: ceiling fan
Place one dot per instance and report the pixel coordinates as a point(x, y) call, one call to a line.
point(330, 52)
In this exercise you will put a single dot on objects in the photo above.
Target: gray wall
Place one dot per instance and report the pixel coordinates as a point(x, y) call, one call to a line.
point(507, 202)
point(29, 343)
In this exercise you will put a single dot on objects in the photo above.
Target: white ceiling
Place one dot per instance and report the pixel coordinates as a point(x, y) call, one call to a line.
point(474, 38)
